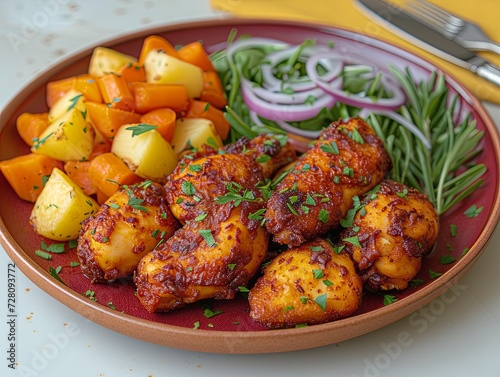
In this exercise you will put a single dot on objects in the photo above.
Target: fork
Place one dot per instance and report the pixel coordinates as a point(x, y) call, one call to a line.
point(464, 32)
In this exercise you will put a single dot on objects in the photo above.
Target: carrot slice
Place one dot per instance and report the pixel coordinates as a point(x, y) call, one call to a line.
point(202, 109)
point(212, 90)
point(30, 126)
point(194, 53)
point(26, 174)
point(115, 92)
point(107, 172)
point(133, 72)
point(85, 84)
point(108, 120)
point(78, 172)
point(164, 119)
point(149, 96)
point(155, 42)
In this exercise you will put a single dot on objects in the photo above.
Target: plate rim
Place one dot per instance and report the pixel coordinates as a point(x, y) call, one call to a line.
point(265, 341)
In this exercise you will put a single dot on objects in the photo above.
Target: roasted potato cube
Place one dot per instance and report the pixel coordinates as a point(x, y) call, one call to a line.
point(106, 60)
point(69, 137)
point(61, 208)
point(162, 68)
point(145, 151)
point(195, 133)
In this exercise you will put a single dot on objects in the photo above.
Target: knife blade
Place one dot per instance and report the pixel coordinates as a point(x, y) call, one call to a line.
point(429, 39)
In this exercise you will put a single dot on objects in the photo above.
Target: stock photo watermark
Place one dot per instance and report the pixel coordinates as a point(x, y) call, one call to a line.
point(419, 322)
point(11, 317)
point(29, 27)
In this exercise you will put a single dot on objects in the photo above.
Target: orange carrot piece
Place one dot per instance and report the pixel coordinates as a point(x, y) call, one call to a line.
point(164, 119)
point(78, 172)
point(155, 42)
point(213, 91)
point(107, 172)
point(108, 120)
point(85, 84)
point(88, 86)
point(133, 72)
point(149, 96)
point(202, 109)
point(194, 53)
point(26, 173)
point(30, 126)
point(100, 147)
point(115, 92)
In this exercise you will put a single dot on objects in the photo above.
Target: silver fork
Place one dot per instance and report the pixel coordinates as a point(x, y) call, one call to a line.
point(464, 32)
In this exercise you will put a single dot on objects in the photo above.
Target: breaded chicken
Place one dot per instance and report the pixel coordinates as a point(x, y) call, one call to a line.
point(222, 242)
point(309, 284)
point(391, 231)
point(128, 226)
point(205, 259)
point(347, 160)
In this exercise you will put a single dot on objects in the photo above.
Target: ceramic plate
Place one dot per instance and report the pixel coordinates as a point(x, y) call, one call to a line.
point(234, 331)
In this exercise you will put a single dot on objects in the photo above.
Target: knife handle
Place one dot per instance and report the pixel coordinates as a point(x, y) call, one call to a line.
point(489, 72)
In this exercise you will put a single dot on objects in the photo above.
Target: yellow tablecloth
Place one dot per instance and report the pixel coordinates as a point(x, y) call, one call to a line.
point(346, 14)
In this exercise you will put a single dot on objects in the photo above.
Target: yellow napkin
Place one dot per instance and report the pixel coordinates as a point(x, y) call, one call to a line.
point(346, 14)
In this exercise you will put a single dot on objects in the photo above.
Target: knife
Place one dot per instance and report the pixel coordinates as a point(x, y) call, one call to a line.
point(430, 40)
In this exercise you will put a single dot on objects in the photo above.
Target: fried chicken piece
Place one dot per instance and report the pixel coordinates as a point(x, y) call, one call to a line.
point(207, 177)
point(309, 284)
point(207, 259)
point(126, 227)
point(347, 160)
point(395, 227)
point(222, 242)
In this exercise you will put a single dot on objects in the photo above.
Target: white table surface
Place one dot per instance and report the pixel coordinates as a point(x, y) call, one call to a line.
point(455, 337)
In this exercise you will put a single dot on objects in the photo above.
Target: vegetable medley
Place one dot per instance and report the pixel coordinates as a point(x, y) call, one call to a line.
point(127, 120)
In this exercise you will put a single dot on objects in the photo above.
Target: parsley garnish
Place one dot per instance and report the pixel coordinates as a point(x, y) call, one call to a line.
point(330, 148)
point(208, 237)
point(473, 211)
point(141, 128)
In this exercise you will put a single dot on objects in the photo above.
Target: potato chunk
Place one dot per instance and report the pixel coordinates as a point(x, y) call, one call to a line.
point(69, 137)
point(145, 151)
point(195, 133)
point(106, 60)
point(162, 68)
point(60, 208)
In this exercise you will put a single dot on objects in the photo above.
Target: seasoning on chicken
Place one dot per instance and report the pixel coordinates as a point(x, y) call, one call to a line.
point(392, 229)
point(222, 242)
point(347, 160)
point(310, 284)
point(129, 225)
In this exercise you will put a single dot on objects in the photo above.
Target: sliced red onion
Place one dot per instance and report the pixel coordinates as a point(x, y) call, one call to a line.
point(305, 133)
point(283, 98)
point(290, 113)
point(252, 43)
point(396, 101)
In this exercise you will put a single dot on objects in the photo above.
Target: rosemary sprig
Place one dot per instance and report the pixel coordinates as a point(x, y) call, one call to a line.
point(444, 172)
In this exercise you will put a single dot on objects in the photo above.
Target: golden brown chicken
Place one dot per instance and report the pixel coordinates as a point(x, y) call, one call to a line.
point(129, 225)
point(196, 183)
point(309, 284)
point(204, 259)
point(347, 160)
point(222, 243)
point(392, 229)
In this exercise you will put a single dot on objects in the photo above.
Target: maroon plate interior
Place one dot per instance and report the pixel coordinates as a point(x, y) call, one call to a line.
point(234, 331)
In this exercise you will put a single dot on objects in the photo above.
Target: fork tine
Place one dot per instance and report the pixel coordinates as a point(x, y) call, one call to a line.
point(426, 14)
point(439, 12)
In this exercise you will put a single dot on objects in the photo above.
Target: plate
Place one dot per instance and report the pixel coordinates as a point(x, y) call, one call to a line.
point(233, 331)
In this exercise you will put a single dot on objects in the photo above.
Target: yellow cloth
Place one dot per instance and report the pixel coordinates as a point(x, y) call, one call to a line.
point(346, 14)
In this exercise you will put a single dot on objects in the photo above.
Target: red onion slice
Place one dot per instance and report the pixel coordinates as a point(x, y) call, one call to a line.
point(290, 113)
